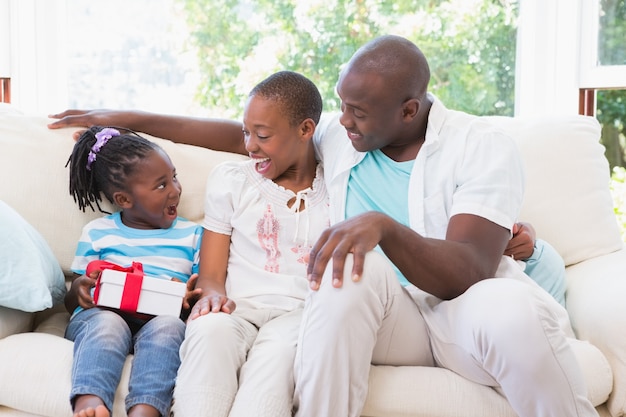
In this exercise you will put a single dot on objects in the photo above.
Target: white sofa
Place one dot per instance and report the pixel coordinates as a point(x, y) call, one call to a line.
point(567, 200)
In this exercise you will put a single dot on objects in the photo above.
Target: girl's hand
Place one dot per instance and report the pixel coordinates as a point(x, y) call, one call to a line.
point(193, 294)
point(213, 302)
point(84, 284)
point(522, 244)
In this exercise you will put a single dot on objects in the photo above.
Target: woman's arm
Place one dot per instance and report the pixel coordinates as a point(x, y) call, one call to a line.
point(218, 134)
point(214, 254)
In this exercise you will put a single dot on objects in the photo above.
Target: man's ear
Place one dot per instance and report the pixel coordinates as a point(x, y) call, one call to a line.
point(122, 199)
point(410, 108)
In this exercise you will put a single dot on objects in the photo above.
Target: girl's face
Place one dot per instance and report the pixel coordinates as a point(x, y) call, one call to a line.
point(280, 149)
point(152, 195)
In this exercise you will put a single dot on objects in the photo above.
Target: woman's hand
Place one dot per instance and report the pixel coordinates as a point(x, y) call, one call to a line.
point(86, 119)
point(213, 302)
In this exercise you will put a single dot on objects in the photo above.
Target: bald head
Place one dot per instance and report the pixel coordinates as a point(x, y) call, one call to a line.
point(399, 61)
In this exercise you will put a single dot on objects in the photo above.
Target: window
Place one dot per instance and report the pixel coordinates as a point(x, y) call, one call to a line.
point(123, 55)
point(554, 61)
point(603, 73)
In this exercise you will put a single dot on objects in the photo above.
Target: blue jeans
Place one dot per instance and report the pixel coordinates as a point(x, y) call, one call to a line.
point(103, 339)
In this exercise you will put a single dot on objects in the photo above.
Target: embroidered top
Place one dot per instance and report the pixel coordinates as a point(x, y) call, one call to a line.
point(270, 241)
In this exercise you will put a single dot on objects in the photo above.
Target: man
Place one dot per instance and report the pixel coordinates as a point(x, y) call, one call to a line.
point(436, 192)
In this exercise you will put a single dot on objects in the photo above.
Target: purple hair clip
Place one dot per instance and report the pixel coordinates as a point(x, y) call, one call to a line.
point(102, 137)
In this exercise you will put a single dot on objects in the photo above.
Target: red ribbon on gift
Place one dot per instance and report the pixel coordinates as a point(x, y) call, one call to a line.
point(132, 285)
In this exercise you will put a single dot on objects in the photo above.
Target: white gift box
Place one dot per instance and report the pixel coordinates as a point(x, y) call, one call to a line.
point(139, 293)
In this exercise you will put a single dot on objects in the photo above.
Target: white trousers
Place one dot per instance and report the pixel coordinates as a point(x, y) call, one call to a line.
point(238, 365)
point(506, 333)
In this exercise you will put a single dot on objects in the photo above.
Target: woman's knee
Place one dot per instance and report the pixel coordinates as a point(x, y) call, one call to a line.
point(214, 326)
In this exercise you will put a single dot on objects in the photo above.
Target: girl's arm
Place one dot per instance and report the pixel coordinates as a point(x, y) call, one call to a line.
point(214, 253)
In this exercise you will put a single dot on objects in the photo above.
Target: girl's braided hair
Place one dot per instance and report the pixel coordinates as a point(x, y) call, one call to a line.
point(104, 169)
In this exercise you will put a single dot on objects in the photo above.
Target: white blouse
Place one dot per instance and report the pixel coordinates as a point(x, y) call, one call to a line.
point(269, 241)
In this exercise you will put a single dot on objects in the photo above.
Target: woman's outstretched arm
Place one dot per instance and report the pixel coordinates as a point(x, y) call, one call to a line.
point(212, 133)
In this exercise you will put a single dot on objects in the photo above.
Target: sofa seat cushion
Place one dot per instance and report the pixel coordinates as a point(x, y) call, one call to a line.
point(30, 359)
point(599, 316)
point(36, 370)
point(402, 391)
point(14, 321)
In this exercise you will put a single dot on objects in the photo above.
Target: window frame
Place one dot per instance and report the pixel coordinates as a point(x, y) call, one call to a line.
point(553, 74)
point(594, 77)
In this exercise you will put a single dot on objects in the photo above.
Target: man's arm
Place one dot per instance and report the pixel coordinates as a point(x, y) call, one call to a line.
point(218, 134)
point(445, 268)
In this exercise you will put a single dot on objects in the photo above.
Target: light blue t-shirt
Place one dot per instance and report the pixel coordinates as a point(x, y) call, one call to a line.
point(378, 183)
point(546, 267)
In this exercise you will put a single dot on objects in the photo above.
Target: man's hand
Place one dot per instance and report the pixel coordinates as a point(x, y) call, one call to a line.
point(522, 244)
point(213, 302)
point(357, 235)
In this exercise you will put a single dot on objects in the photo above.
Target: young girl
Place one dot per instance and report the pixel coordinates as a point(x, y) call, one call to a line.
point(261, 218)
point(139, 178)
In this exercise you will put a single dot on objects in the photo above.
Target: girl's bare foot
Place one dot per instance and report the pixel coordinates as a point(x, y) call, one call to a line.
point(99, 411)
point(90, 406)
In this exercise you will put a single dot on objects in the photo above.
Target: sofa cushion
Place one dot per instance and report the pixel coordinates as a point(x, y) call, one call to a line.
point(401, 390)
point(567, 197)
point(31, 278)
point(35, 155)
point(36, 370)
point(394, 391)
point(14, 321)
point(596, 289)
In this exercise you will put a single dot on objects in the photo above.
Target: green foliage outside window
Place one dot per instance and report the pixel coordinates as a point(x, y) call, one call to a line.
point(618, 189)
point(470, 45)
point(240, 42)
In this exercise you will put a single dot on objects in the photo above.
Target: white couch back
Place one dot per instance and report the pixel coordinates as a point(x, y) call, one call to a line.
point(567, 198)
point(36, 182)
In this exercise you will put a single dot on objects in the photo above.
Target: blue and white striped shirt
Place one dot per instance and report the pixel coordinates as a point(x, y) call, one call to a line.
point(164, 253)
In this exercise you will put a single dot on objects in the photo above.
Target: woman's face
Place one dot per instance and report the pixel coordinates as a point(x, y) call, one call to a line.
point(270, 139)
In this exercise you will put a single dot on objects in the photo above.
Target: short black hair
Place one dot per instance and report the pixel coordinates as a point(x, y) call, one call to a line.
point(297, 94)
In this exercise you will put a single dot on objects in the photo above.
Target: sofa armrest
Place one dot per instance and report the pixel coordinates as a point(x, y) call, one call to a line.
point(595, 301)
point(14, 321)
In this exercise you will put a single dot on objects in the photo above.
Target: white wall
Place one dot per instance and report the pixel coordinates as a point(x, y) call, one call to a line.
point(37, 70)
point(548, 56)
point(5, 39)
